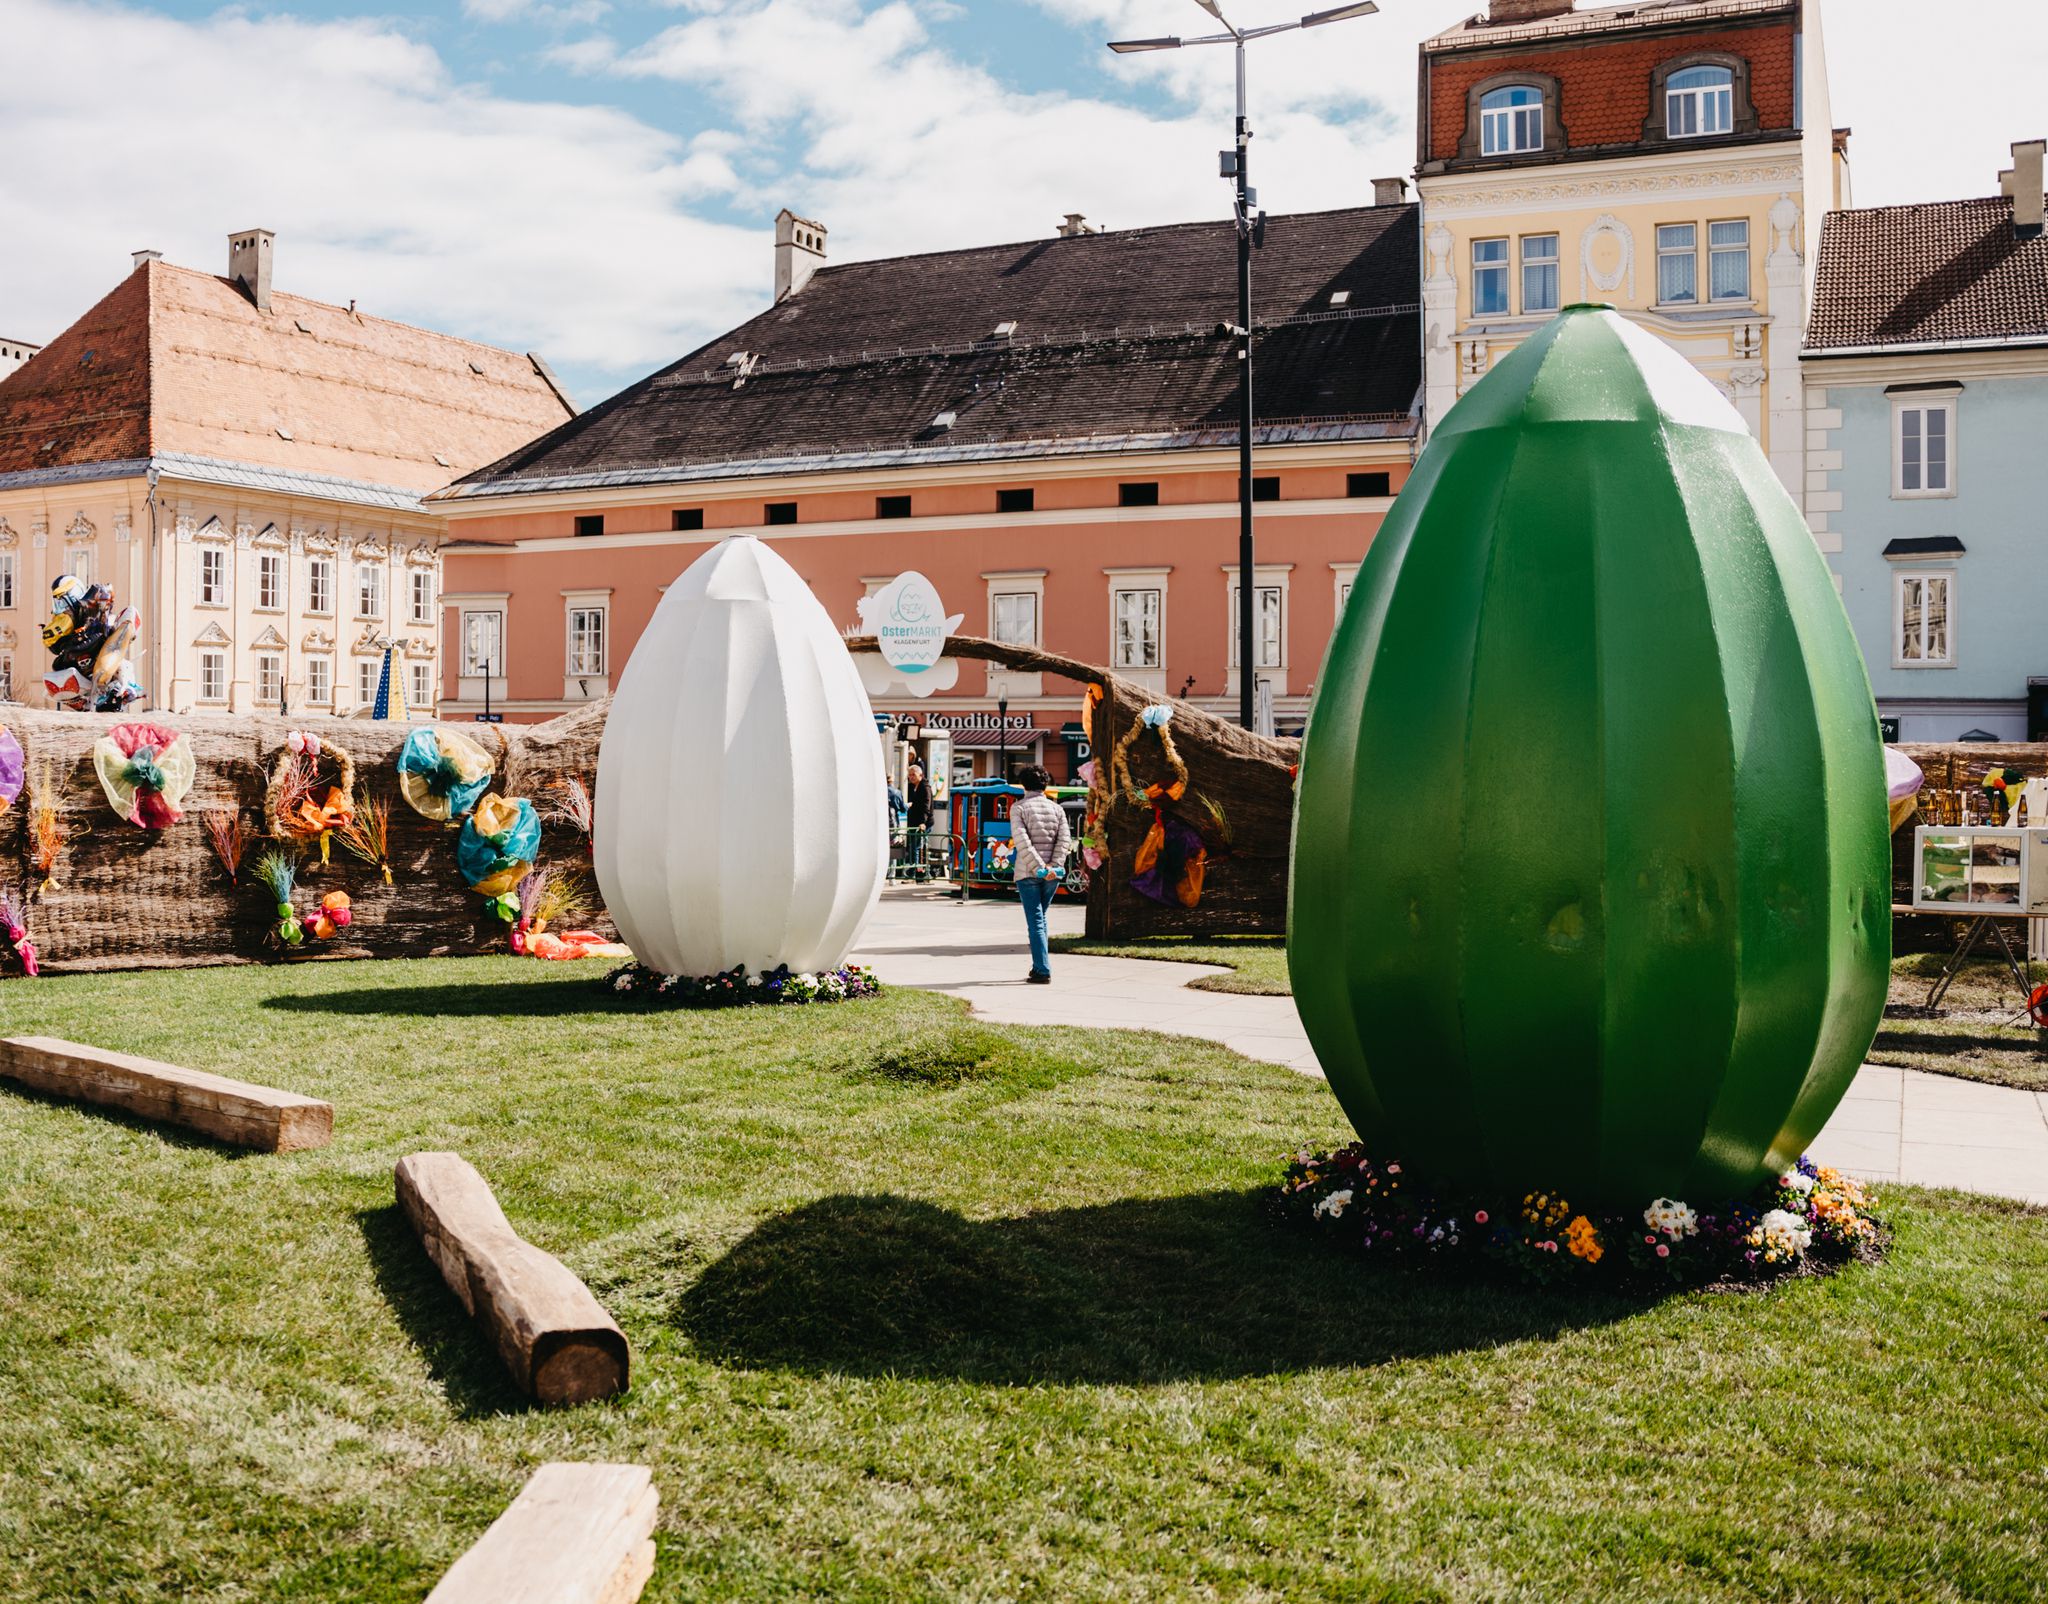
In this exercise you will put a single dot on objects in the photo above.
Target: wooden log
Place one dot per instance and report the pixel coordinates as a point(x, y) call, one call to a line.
point(232, 1110)
point(556, 1339)
point(576, 1534)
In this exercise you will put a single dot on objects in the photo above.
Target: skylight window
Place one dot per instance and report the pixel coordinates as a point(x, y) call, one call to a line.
point(945, 420)
point(1340, 297)
point(1005, 329)
point(283, 433)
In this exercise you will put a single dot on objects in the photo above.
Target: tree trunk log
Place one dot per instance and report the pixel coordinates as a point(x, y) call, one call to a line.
point(556, 1339)
point(232, 1111)
point(576, 1534)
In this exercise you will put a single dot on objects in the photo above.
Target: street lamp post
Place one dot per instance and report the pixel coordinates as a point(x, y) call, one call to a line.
point(1236, 165)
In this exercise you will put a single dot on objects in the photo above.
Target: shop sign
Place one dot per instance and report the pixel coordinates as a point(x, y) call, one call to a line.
point(910, 627)
point(975, 721)
point(1888, 729)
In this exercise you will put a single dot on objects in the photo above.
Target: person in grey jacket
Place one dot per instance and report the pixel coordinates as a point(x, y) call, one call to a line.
point(1039, 842)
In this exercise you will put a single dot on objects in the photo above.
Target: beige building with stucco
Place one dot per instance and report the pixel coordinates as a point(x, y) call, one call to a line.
point(246, 467)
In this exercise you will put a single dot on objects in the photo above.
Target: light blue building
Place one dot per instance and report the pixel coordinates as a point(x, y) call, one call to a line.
point(1926, 367)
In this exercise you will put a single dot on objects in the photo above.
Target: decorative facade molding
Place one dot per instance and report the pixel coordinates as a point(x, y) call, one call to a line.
point(422, 554)
point(213, 531)
point(416, 647)
point(271, 538)
point(8, 639)
point(39, 531)
point(81, 529)
point(213, 635)
point(184, 528)
point(123, 528)
point(371, 549)
point(245, 535)
point(8, 538)
point(371, 640)
point(1623, 278)
point(317, 640)
point(319, 541)
point(1647, 186)
point(270, 639)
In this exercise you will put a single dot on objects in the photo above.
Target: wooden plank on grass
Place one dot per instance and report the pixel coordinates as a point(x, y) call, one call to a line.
point(576, 1534)
point(232, 1110)
point(556, 1339)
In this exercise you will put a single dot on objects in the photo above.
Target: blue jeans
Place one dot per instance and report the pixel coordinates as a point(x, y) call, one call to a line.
point(1036, 895)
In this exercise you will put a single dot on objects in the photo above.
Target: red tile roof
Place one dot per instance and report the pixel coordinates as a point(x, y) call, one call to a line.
point(1947, 270)
point(177, 361)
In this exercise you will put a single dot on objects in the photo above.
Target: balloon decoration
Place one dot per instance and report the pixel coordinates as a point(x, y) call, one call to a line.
point(1590, 885)
point(442, 774)
point(88, 640)
point(741, 815)
point(145, 770)
point(496, 850)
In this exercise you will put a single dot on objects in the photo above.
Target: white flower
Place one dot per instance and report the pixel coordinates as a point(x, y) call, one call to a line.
point(1670, 1218)
point(1783, 1232)
point(807, 980)
point(623, 983)
point(1334, 1205)
point(1797, 1181)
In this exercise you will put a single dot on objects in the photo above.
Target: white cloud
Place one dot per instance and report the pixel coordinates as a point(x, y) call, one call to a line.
point(541, 11)
point(555, 228)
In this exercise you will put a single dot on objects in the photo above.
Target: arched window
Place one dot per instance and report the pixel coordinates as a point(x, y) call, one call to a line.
point(1511, 120)
point(1699, 100)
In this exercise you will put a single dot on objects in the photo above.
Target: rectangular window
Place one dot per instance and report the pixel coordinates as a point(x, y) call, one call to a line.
point(1137, 629)
point(369, 590)
point(78, 563)
point(1678, 263)
point(1925, 632)
point(1017, 618)
point(1368, 484)
point(483, 636)
point(1924, 454)
point(213, 576)
point(269, 681)
point(1344, 595)
point(1539, 272)
point(422, 685)
point(213, 677)
point(319, 680)
point(6, 579)
point(590, 523)
point(1489, 276)
point(1728, 261)
point(779, 512)
point(423, 595)
point(686, 518)
point(1265, 487)
point(270, 580)
point(1267, 607)
point(586, 640)
point(1142, 494)
point(892, 506)
point(1016, 500)
point(368, 670)
point(320, 585)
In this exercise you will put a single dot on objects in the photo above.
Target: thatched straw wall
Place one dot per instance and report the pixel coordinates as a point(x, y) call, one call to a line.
point(132, 899)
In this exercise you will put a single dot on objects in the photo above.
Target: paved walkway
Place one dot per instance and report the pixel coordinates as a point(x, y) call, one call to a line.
point(1895, 1124)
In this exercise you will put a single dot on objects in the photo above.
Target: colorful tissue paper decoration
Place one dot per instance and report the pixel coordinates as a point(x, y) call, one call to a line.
point(2004, 785)
point(278, 875)
point(442, 774)
point(13, 768)
point(496, 849)
point(14, 925)
point(333, 914)
point(145, 770)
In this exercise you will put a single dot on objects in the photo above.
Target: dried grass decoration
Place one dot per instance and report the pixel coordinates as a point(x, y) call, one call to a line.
point(368, 834)
point(227, 837)
point(145, 769)
point(557, 896)
point(45, 827)
point(312, 790)
point(572, 806)
point(278, 875)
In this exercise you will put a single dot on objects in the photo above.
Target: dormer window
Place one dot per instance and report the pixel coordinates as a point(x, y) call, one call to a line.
point(1511, 120)
point(1699, 100)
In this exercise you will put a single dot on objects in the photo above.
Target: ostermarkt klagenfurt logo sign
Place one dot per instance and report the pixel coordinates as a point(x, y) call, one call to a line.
point(910, 627)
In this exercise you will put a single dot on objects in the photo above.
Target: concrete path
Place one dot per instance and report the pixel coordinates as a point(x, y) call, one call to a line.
point(1895, 1124)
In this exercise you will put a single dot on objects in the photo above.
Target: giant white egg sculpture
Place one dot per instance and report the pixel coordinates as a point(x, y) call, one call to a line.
point(741, 810)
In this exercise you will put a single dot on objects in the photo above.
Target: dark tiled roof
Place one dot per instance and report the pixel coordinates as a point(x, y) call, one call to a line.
point(1948, 270)
point(1115, 335)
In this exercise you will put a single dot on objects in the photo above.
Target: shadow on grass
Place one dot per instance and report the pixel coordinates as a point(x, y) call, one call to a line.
point(1138, 1291)
point(458, 1351)
point(169, 1135)
point(1959, 1044)
point(471, 1000)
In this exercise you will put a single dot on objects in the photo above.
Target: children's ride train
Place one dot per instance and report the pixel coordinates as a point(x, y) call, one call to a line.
point(90, 671)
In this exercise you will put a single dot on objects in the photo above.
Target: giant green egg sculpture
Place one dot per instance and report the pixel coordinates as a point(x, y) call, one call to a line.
point(1590, 881)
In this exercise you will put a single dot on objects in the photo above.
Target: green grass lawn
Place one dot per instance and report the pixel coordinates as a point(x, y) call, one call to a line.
point(1257, 964)
point(923, 1309)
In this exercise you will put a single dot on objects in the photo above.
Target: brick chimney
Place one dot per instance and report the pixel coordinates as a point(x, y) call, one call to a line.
point(1502, 12)
point(2021, 182)
point(249, 264)
point(1389, 191)
point(143, 258)
point(799, 251)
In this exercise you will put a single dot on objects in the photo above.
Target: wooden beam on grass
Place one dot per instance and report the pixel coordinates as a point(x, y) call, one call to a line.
point(556, 1339)
point(233, 1111)
point(576, 1534)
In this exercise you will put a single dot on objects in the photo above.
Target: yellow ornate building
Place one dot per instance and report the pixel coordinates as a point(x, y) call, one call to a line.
point(1671, 159)
point(246, 467)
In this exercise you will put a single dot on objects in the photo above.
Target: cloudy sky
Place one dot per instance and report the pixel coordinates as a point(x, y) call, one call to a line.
point(596, 179)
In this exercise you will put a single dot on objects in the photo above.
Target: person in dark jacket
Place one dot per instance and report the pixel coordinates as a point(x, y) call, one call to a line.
point(917, 819)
